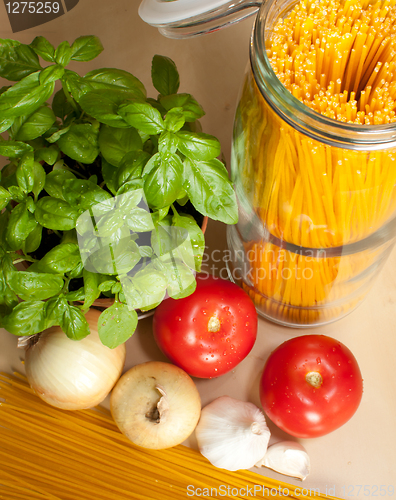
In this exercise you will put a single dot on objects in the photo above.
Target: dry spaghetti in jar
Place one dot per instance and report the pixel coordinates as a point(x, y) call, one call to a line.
point(314, 158)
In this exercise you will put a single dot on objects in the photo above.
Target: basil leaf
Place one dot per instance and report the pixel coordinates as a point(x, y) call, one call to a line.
point(16, 193)
point(198, 146)
point(116, 325)
point(129, 186)
point(57, 214)
point(83, 193)
point(142, 116)
point(191, 109)
point(27, 318)
point(4, 218)
point(60, 105)
point(91, 288)
point(109, 223)
point(75, 84)
point(17, 60)
point(162, 180)
point(20, 224)
point(59, 260)
point(210, 190)
point(174, 119)
point(54, 309)
point(6, 124)
point(49, 154)
point(80, 142)
point(168, 142)
point(63, 53)
point(36, 124)
point(43, 48)
point(115, 143)
point(162, 240)
point(74, 323)
point(127, 203)
point(139, 220)
point(30, 205)
point(5, 198)
point(103, 104)
point(51, 74)
point(157, 105)
point(25, 174)
point(164, 75)
point(25, 96)
point(78, 295)
point(116, 254)
point(195, 246)
point(39, 178)
point(14, 149)
point(109, 175)
point(86, 48)
point(106, 286)
point(32, 242)
point(57, 134)
point(77, 272)
point(7, 296)
point(55, 181)
point(131, 167)
point(35, 286)
point(180, 279)
point(146, 289)
point(116, 79)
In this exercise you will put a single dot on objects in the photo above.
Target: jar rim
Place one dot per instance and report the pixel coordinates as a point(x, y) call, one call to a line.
point(291, 110)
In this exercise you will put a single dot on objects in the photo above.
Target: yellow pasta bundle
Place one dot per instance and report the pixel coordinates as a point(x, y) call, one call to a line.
point(316, 199)
point(51, 454)
point(339, 58)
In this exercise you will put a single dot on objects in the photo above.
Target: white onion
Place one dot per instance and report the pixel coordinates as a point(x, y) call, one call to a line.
point(156, 405)
point(73, 374)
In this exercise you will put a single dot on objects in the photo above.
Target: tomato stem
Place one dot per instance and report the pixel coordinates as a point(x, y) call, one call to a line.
point(314, 378)
point(214, 324)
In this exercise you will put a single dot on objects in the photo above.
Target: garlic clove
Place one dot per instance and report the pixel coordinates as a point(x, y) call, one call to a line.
point(232, 434)
point(288, 458)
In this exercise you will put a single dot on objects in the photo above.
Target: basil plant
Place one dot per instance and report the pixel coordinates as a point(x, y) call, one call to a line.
point(101, 190)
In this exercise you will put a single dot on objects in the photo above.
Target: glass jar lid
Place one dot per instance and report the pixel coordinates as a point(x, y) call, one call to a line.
point(187, 18)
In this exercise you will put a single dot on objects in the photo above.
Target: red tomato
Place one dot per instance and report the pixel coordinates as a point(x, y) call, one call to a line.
point(211, 331)
point(311, 385)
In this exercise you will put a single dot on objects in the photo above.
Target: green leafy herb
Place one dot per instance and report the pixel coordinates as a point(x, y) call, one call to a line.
point(210, 190)
point(116, 325)
point(91, 193)
point(165, 75)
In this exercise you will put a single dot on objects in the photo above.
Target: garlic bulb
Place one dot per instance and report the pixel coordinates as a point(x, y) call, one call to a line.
point(287, 457)
point(232, 434)
point(70, 374)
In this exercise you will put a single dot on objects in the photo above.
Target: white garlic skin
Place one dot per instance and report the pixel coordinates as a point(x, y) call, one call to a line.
point(288, 458)
point(232, 434)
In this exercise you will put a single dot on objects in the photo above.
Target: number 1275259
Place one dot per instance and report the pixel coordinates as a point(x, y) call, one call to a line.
point(32, 7)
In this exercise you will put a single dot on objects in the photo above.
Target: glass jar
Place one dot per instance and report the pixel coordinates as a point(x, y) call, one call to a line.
point(317, 197)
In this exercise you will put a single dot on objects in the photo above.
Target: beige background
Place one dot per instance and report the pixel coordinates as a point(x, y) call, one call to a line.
point(363, 452)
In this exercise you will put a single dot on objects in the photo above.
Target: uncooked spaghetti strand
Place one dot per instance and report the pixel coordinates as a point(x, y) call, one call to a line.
point(98, 457)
